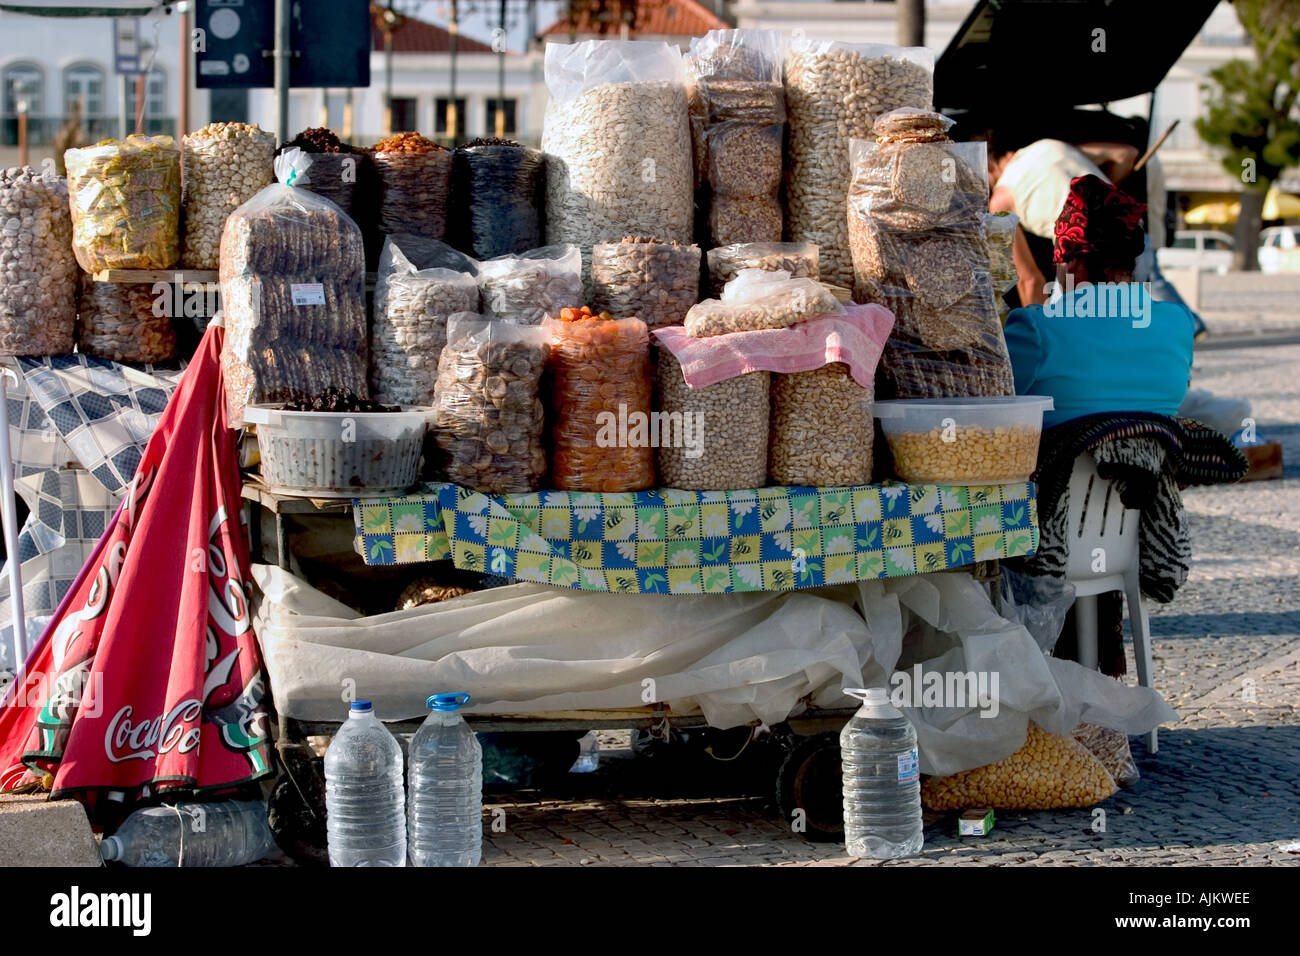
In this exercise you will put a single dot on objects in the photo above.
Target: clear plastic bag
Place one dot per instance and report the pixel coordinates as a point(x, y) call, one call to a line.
point(38, 293)
point(656, 282)
point(226, 164)
point(600, 390)
point(529, 287)
point(834, 92)
point(1039, 603)
point(822, 429)
point(421, 283)
point(118, 321)
point(346, 178)
point(497, 190)
point(488, 420)
point(292, 290)
point(1111, 748)
point(415, 188)
point(725, 262)
point(1000, 235)
point(759, 299)
point(126, 203)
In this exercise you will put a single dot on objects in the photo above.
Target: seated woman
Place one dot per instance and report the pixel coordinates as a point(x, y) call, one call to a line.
point(1101, 344)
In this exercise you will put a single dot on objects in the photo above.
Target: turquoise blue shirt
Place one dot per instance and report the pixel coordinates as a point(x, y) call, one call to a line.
point(1102, 349)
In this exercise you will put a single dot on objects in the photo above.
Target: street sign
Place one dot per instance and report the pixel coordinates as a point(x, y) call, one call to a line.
point(126, 46)
point(234, 39)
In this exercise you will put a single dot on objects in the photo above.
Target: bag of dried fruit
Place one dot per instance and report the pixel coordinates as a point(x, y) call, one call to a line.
point(415, 179)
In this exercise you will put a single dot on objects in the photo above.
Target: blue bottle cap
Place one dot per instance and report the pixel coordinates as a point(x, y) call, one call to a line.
point(362, 706)
point(445, 702)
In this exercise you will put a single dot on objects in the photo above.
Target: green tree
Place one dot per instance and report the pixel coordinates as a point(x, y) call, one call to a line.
point(1252, 112)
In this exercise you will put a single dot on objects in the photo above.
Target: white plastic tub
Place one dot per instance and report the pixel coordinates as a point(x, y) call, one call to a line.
point(969, 441)
point(339, 454)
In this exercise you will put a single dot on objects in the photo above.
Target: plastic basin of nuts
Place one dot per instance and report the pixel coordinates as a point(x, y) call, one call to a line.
point(339, 454)
point(970, 441)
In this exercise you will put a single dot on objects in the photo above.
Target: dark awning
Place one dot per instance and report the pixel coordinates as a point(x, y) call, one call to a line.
point(83, 8)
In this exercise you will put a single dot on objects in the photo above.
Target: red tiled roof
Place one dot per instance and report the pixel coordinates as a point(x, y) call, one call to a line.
point(417, 36)
point(645, 18)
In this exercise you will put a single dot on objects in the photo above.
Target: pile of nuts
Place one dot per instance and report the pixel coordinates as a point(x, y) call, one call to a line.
point(529, 288)
point(126, 203)
point(966, 454)
point(722, 443)
point(1050, 772)
point(38, 273)
point(656, 282)
point(226, 164)
point(834, 94)
point(415, 178)
point(619, 162)
point(822, 429)
point(119, 322)
point(797, 258)
point(795, 301)
point(488, 422)
point(409, 330)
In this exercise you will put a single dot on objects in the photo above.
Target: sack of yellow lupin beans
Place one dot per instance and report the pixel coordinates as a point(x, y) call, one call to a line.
point(1049, 772)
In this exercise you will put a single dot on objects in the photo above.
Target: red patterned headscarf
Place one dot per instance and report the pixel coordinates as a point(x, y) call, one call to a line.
point(1098, 221)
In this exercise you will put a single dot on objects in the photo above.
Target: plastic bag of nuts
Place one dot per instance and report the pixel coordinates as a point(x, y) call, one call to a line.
point(530, 287)
point(118, 321)
point(725, 262)
point(758, 299)
point(420, 285)
point(488, 417)
point(38, 272)
point(600, 377)
point(1112, 749)
point(415, 179)
point(226, 164)
point(656, 282)
point(834, 91)
point(1049, 772)
point(822, 429)
point(716, 436)
point(496, 191)
point(125, 198)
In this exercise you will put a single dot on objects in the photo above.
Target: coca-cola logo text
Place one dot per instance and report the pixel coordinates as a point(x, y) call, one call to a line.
point(127, 741)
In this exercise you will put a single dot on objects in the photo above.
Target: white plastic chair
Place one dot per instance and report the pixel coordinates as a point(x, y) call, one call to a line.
point(1103, 543)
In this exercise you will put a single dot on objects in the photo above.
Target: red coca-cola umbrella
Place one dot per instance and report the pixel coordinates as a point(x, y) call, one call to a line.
point(149, 677)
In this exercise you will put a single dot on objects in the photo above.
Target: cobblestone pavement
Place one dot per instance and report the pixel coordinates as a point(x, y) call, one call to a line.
point(1224, 788)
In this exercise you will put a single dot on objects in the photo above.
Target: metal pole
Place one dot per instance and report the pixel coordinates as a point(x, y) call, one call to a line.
point(388, 79)
point(911, 22)
point(501, 77)
point(453, 123)
point(121, 99)
point(281, 56)
point(183, 74)
point(23, 155)
point(139, 103)
point(10, 520)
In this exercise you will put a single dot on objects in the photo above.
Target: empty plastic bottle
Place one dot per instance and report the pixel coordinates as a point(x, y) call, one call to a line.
point(588, 754)
point(229, 833)
point(365, 818)
point(882, 782)
point(444, 815)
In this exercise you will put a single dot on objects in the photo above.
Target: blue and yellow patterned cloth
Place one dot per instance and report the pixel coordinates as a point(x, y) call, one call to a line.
point(712, 542)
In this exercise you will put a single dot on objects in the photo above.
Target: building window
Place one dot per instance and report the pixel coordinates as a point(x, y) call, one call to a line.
point(23, 81)
point(405, 117)
point(155, 96)
point(490, 122)
point(440, 116)
point(83, 83)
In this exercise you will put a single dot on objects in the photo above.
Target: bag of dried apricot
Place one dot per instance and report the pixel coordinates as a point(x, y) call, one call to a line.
point(600, 403)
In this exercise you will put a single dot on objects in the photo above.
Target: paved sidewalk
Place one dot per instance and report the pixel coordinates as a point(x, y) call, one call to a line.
point(1224, 788)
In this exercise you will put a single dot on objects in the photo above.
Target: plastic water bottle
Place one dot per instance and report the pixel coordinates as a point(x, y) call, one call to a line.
point(882, 782)
point(365, 820)
point(229, 833)
point(588, 754)
point(444, 816)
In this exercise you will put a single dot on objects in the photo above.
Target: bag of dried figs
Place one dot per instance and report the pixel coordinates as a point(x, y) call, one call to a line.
point(421, 283)
point(758, 299)
point(119, 321)
point(488, 418)
point(38, 288)
point(497, 188)
point(656, 282)
point(529, 287)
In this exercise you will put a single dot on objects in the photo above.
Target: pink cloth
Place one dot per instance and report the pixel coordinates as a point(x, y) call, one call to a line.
point(855, 338)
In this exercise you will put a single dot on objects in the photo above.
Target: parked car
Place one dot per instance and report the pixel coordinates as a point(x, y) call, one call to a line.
point(1279, 249)
point(1203, 249)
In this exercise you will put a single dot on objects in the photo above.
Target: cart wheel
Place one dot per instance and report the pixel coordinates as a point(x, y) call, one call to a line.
point(296, 811)
point(808, 788)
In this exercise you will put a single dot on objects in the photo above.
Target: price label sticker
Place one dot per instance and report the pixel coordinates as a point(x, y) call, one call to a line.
point(308, 293)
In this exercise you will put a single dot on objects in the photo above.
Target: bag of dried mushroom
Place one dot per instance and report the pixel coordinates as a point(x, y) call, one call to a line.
point(415, 183)
point(758, 299)
point(126, 203)
point(725, 262)
point(916, 209)
point(118, 321)
point(496, 191)
point(488, 418)
point(292, 289)
point(737, 106)
point(38, 271)
point(834, 91)
point(529, 287)
point(421, 283)
point(617, 144)
point(640, 278)
point(226, 164)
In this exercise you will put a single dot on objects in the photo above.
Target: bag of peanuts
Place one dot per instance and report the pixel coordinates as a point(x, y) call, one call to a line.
point(38, 271)
point(226, 164)
point(758, 299)
point(1112, 749)
point(415, 183)
point(737, 105)
point(118, 321)
point(421, 283)
point(725, 262)
point(600, 403)
point(126, 203)
point(532, 286)
point(488, 417)
point(639, 278)
point(496, 191)
point(1049, 772)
